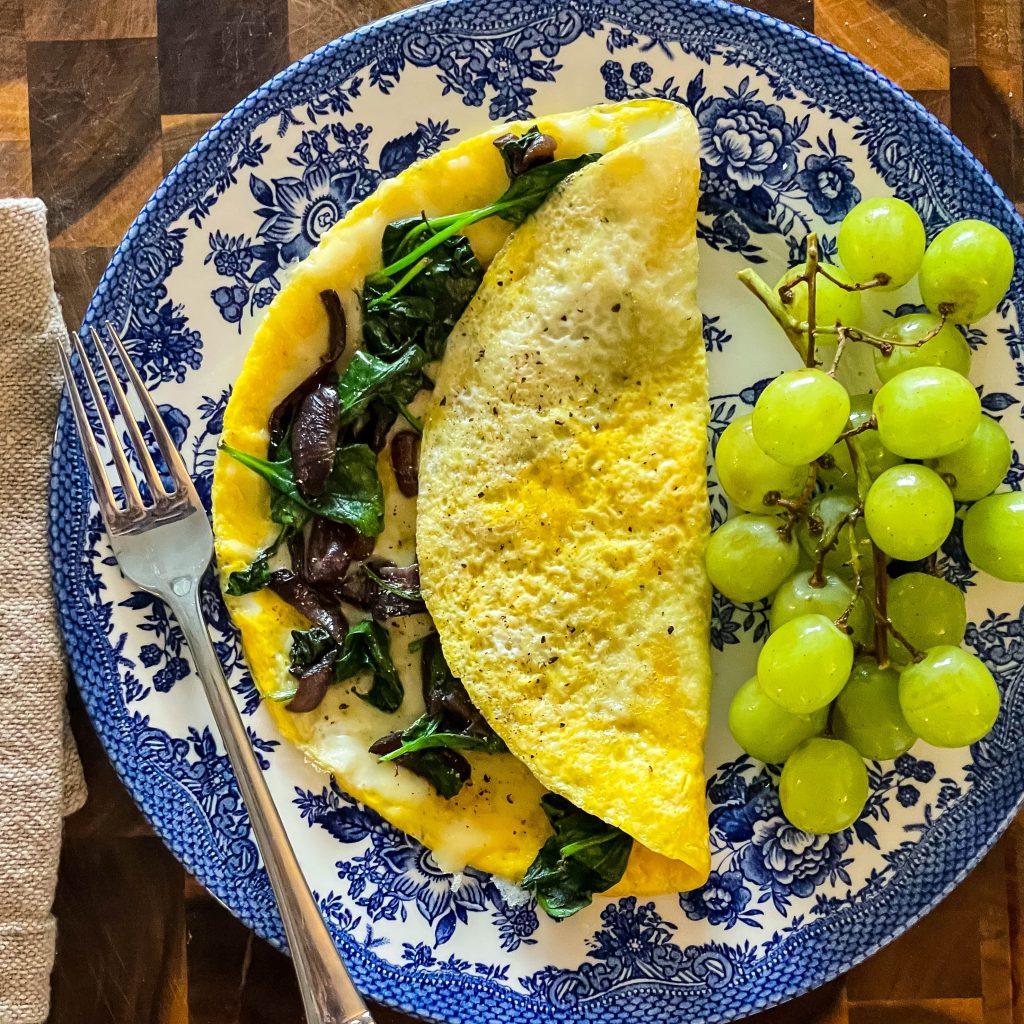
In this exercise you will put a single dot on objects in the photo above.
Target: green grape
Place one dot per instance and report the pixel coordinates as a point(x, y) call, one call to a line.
point(747, 558)
point(873, 454)
point(805, 663)
point(827, 512)
point(747, 474)
point(949, 698)
point(968, 267)
point(909, 512)
point(881, 236)
point(799, 416)
point(831, 303)
point(947, 348)
point(980, 466)
point(798, 596)
point(928, 611)
point(926, 412)
point(824, 786)
point(867, 714)
point(767, 731)
point(994, 535)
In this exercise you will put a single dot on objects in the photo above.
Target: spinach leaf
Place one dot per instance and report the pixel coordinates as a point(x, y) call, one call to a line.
point(446, 770)
point(422, 306)
point(585, 856)
point(255, 576)
point(368, 378)
point(353, 493)
point(288, 512)
point(430, 746)
point(527, 191)
point(309, 646)
point(427, 732)
point(417, 644)
point(365, 648)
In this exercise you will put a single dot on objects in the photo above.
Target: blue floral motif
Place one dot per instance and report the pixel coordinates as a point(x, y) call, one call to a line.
point(640, 75)
point(762, 847)
point(722, 899)
point(727, 233)
point(907, 795)
point(516, 924)
point(746, 139)
point(729, 619)
point(170, 641)
point(786, 861)
point(635, 945)
point(296, 212)
point(161, 345)
point(395, 871)
point(827, 180)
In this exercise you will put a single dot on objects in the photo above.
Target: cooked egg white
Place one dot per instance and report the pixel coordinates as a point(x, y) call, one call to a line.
point(495, 823)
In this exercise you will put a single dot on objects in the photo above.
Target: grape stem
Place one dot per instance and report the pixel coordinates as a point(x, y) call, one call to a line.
point(884, 345)
point(840, 349)
point(884, 626)
point(858, 588)
point(878, 281)
point(869, 424)
point(828, 542)
point(770, 299)
point(794, 507)
point(879, 608)
point(811, 277)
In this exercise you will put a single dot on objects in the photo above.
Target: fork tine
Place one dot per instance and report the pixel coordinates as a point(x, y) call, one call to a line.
point(141, 451)
point(175, 465)
point(100, 483)
point(124, 470)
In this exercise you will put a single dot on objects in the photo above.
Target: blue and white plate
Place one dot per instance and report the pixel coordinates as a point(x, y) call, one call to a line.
point(793, 133)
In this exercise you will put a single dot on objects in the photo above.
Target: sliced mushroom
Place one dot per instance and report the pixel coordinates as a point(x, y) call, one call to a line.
point(405, 461)
point(313, 685)
point(315, 438)
point(381, 599)
point(336, 339)
point(311, 602)
point(330, 549)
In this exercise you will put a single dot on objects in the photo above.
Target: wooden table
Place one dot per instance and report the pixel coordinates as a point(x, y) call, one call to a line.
point(98, 99)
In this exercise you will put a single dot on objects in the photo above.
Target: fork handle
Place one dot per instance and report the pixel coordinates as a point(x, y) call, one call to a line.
point(328, 995)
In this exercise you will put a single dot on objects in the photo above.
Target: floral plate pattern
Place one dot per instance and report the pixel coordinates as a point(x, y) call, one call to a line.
point(793, 133)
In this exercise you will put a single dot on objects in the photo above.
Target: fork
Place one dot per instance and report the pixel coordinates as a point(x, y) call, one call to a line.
point(164, 546)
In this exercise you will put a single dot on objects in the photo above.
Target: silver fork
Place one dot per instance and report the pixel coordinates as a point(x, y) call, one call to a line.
point(164, 547)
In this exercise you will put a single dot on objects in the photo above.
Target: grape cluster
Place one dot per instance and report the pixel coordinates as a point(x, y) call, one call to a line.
point(864, 656)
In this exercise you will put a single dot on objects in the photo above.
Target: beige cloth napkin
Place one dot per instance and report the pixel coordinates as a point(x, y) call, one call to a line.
point(40, 777)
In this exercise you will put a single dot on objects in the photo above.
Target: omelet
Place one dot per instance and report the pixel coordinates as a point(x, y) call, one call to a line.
point(563, 512)
point(645, 265)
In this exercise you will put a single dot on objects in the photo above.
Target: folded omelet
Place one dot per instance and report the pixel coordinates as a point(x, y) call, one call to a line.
point(562, 512)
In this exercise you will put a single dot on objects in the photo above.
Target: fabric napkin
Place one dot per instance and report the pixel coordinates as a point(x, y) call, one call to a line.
point(40, 776)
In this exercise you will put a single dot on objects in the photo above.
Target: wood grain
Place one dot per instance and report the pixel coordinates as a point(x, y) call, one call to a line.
point(98, 99)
